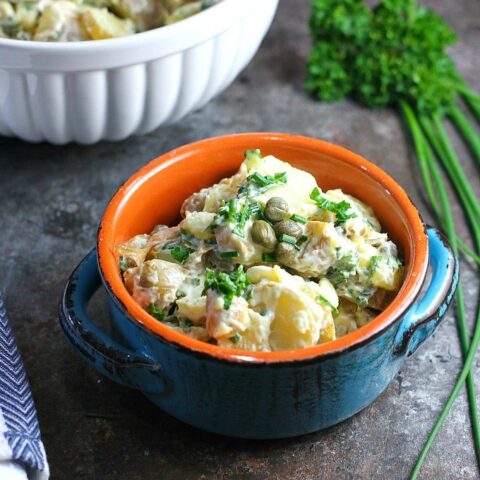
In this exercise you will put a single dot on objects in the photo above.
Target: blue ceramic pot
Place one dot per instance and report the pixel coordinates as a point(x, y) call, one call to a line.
point(254, 400)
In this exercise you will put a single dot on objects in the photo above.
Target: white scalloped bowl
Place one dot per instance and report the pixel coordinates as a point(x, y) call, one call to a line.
point(110, 89)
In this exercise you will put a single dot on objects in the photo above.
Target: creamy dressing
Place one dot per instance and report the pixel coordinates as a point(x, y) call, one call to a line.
point(211, 278)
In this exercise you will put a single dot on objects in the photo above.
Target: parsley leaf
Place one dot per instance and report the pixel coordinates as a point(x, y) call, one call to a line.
point(229, 213)
point(381, 56)
point(374, 261)
point(256, 183)
point(155, 312)
point(229, 285)
point(340, 209)
point(182, 246)
point(342, 269)
point(180, 253)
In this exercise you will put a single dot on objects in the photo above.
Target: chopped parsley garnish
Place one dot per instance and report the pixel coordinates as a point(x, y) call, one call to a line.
point(374, 261)
point(229, 285)
point(343, 268)
point(229, 213)
point(299, 218)
point(287, 239)
point(268, 180)
point(256, 208)
point(231, 254)
point(256, 183)
point(155, 312)
point(241, 219)
point(224, 215)
point(235, 338)
point(180, 253)
point(361, 296)
point(340, 209)
point(323, 300)
point(269, 257)
point(182, 246)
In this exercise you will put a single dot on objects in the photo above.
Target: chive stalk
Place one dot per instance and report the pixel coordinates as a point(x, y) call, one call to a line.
point(466, 130)
point(455, 165)
point(474, 107)
point(467, 93)
point(429, 170)
point(472, 99)
point(463, 189)
point(467, 251)
point(469, 355)
point(287, 239)
point(430, 132)
point(269, 257)
point(299, 218)
point(231, 254)
point(420, 146)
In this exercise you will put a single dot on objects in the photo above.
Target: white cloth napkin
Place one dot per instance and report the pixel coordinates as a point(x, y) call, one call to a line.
point(21, 448)
point(12, 471)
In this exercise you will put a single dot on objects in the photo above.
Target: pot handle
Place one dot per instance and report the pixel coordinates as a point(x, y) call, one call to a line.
point(424, 316)
point(102, 352)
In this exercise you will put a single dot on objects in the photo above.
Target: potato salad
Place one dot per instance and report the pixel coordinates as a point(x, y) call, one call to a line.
point(76, 20)
point(263, 261)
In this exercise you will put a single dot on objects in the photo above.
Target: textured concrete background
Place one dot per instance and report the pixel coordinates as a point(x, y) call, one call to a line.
point(51, 202)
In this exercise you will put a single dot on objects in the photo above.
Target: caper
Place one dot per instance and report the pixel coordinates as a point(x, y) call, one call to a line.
point(263, 234)
point(285, 252)
point(288, 227)
point(276, 209)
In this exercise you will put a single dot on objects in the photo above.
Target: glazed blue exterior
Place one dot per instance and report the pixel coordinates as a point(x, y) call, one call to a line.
point(252, 400)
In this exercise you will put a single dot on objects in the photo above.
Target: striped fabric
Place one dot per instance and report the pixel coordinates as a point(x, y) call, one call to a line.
point(19, 431)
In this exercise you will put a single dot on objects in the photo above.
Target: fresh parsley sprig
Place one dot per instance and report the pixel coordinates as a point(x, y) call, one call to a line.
point(394, 54)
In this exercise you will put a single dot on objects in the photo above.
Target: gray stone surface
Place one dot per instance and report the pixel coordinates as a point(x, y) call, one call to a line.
point(51, 201)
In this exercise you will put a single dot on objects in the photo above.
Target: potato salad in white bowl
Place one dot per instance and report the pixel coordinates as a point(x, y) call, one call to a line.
point(79, 20)
point(90, 70)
